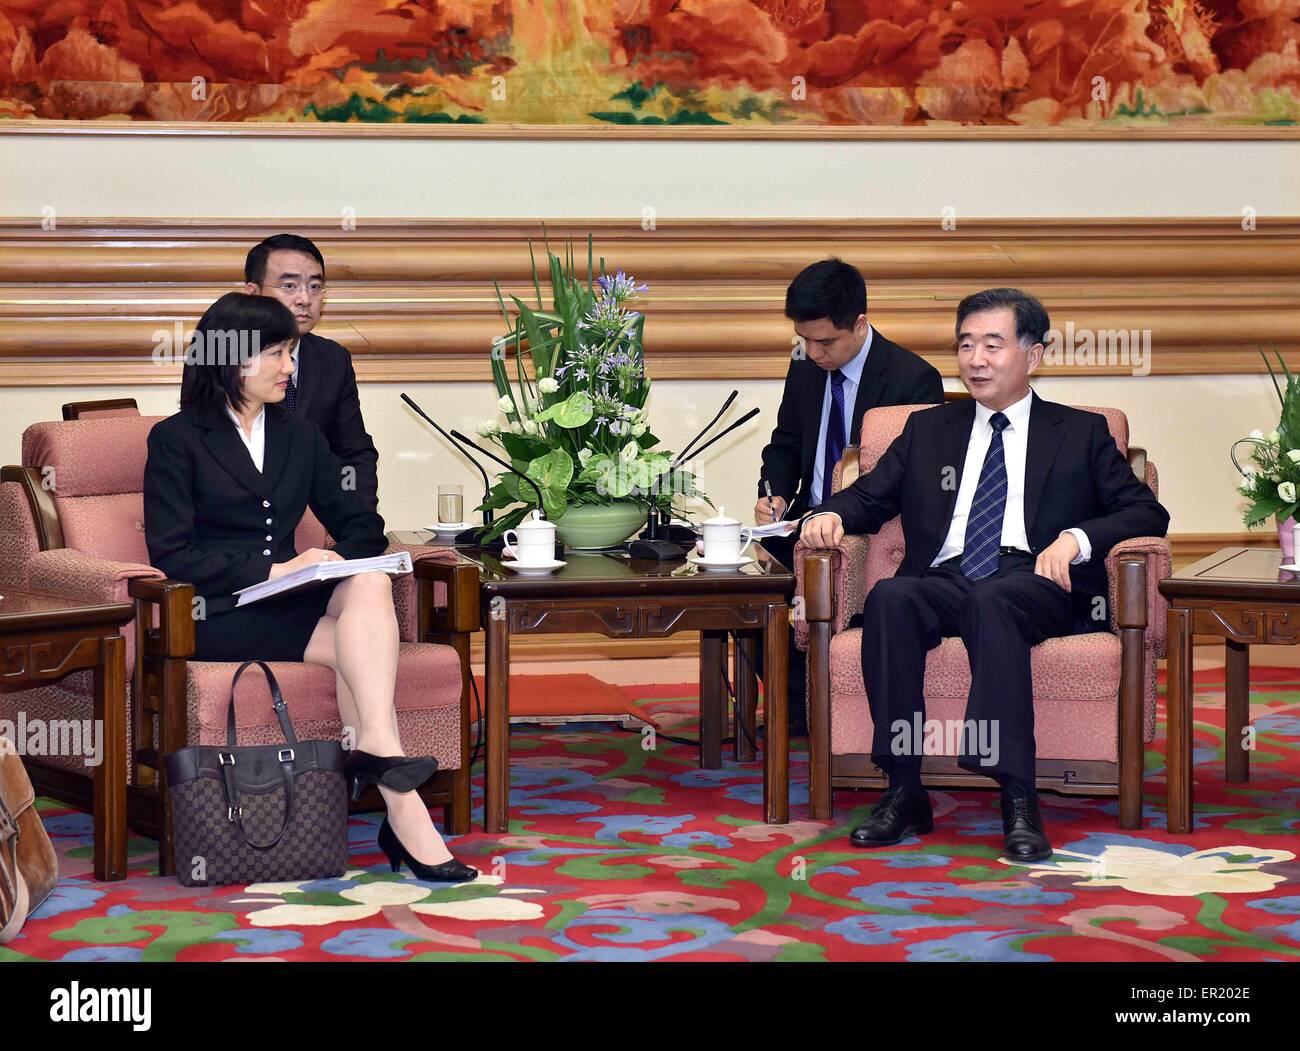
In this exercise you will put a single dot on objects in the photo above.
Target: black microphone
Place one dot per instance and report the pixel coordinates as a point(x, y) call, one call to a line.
point(659, 539)
point(536, 488)
point(721, 434)
point(725, 406)
point(487, 485)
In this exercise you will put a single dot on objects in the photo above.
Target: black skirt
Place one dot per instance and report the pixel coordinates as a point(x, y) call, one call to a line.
point(275, 629)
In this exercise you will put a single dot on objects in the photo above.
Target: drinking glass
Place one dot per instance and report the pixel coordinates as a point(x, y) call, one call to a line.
point(451, 501)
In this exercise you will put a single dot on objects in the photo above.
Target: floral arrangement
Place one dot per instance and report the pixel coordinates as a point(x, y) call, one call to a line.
point(1271, 484)
point(574, 418)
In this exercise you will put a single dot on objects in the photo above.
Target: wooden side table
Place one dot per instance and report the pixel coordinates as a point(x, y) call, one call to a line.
point(625, 598)
point(1240, 595)
point(44, 638)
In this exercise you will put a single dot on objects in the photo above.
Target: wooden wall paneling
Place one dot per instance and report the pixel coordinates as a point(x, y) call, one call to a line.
point(413, 298)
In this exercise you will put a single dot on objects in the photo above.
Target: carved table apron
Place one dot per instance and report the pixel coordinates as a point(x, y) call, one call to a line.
point(625, 599)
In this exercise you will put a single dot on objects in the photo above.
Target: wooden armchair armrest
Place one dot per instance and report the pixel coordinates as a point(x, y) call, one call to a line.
point(461, 614)
point(842, 596)
point(173, 634)
point(1132, 594)
point(818, 587)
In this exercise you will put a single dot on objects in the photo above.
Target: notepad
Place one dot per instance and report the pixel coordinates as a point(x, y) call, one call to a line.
point(783, 528)
point(394, 565)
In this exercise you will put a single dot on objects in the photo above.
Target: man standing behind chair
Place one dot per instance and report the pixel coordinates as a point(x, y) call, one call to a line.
point(846, 368)
point(324, 386)
point(1009, 506)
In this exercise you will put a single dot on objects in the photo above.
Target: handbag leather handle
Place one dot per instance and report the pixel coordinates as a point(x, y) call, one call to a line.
point(236, 812)
point(277, 705)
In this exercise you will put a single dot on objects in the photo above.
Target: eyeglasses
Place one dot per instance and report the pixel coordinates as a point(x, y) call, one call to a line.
point(315, 289)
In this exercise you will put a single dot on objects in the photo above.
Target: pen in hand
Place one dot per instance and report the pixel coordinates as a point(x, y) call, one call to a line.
point(767, 489)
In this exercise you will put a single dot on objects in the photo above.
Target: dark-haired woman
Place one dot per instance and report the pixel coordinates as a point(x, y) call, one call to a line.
point(226, 482)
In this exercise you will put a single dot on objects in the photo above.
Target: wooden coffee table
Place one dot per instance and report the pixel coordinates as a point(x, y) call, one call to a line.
point(1237, 593)
point(43, 638)
point(624, 598)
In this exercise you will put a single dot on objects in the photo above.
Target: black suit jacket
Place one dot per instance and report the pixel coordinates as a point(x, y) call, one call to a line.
point(208, 511)
point(327, 395)
point(892, 375)
point(1075, 477)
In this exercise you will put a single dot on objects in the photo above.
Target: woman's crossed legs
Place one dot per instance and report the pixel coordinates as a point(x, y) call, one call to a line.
point(358, 639)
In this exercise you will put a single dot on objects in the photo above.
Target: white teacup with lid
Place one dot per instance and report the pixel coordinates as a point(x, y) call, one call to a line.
point(534, 541)
point(725, 540)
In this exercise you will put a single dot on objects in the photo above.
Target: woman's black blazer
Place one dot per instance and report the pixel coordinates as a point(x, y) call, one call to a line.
point(213, 520)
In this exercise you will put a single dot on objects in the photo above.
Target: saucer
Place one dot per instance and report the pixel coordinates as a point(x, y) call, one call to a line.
point(443, 528)
point(539, 568)
point(704, 563)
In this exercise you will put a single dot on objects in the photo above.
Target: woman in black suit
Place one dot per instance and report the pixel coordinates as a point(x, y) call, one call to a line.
point(226, 482)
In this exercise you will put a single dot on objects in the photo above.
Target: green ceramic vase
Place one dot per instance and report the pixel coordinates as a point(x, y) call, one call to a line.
point(588, 527)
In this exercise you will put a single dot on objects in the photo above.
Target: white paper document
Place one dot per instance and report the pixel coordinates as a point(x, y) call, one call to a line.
point(394, 565)
point(758, 532)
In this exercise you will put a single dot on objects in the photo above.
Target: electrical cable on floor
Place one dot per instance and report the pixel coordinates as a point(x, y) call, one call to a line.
point(478, 724)
point(735, 704)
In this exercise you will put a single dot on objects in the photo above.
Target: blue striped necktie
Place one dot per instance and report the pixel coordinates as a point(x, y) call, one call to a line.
point(979, 557)
point(834, 433)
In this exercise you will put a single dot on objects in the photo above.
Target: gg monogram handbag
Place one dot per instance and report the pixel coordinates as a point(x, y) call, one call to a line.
point(258, 814)
point(29, 867)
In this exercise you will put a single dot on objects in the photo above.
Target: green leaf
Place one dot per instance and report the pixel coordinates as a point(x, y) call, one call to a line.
point(552, 472)
point(537, 285)
point(508, 520)
point(615, 478)
point(523, 448)
point(1262, 509)
point(539, 347)
point(501, 380)
point(575, 411)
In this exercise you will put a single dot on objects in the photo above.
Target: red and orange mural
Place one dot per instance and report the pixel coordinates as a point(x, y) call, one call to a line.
point(1045, 64)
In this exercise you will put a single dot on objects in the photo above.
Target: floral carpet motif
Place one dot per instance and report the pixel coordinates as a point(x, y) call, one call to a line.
point(622, 851)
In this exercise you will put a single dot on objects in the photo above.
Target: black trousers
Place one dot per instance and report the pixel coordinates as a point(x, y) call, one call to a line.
point(998, 618)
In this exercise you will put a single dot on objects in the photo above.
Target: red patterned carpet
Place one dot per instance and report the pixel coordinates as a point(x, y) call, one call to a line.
point(616, 852)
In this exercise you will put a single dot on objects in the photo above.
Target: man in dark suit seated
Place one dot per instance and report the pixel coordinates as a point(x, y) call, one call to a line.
point(1009, 506)
point(843, 368)
point(324, 386)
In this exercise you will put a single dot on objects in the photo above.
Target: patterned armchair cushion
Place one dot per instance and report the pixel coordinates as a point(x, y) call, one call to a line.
point(96, 473)
point(18, 539)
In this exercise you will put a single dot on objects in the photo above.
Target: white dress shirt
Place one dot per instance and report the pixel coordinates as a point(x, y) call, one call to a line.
point(255, 443)
point(1015, 447)
point(294, 354)
point(852, 373)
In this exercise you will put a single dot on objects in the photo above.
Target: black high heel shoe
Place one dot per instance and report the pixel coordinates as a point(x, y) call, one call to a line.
point(399, 772)
point(452, 871)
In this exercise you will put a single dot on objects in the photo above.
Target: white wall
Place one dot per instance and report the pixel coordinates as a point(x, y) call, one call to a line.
point(302, 177)
point(1187, 423)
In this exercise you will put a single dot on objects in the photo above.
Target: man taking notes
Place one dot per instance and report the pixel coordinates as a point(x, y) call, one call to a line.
point(845, 368)
point(1007, 552)
point(323, 386)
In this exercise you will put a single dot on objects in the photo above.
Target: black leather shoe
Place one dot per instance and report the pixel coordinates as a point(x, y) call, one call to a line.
point(901, 812)
point(452, 871)
point(401, 773)
point(1023, 838)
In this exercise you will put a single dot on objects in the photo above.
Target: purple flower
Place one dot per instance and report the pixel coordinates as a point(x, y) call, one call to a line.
point(621, 286)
